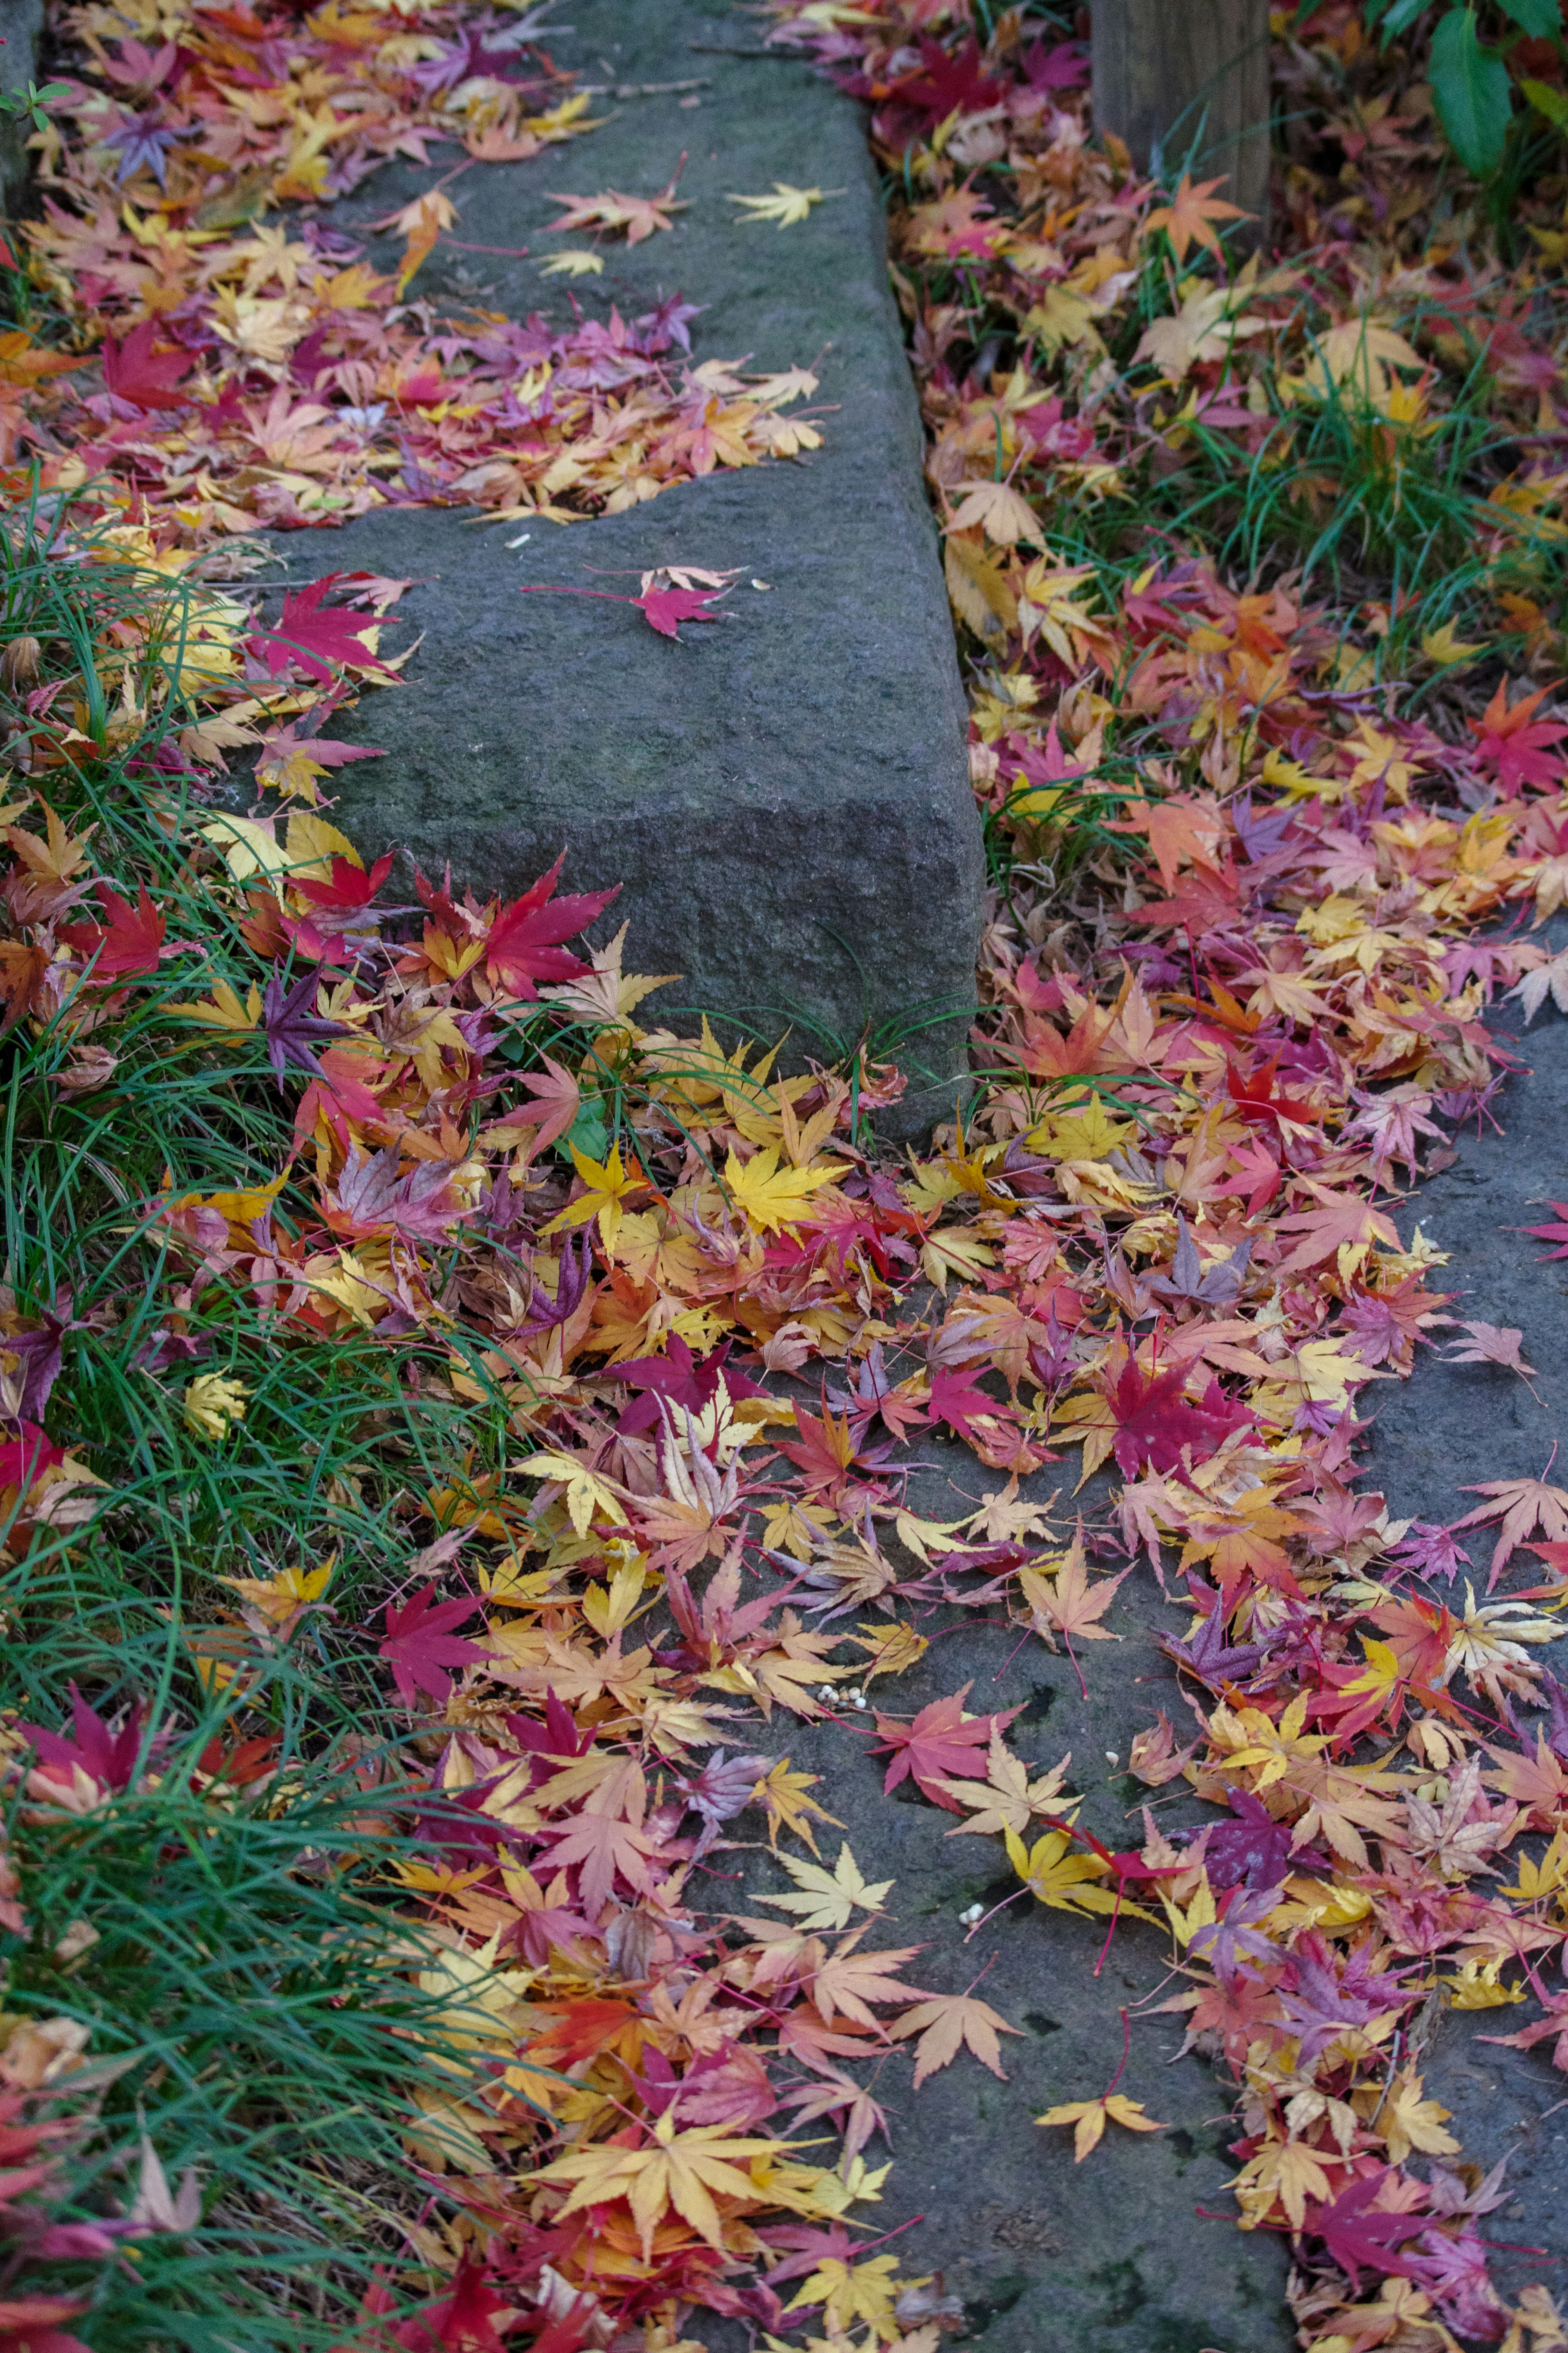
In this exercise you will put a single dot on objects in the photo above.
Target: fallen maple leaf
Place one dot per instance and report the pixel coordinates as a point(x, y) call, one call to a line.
point(1557, 1231)
point(945, 2023)
point(311, 637)
point(771, 1198)
point(150, 378)
point(1089, 2118)
point(419, 1645)
point(1513, 745)
point(663, 609)
point(523, 943)
point(940, 1742)
point(1189, 214)
point(128, 944)
point(829, 1897)
point(1488, 1344)
point(672, 2168)
point(1072, 1604)
point(611, 211)
point(1521, 1505)
point(786, 206)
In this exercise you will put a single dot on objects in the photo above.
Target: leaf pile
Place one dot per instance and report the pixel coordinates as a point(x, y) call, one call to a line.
point(587, 1357)
point(223, 373)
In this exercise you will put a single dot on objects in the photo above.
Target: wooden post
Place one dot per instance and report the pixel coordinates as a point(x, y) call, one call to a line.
point(1186, 84)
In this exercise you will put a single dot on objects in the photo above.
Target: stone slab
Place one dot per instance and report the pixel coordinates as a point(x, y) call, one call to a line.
point(1437, 1435)
point(22, 34)
point(785, 797)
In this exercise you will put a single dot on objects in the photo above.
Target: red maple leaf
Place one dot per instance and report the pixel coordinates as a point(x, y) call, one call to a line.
point(665, 607)
point(955, 1399)
point(350, 886)
point(1209, 899)
point(524, 943)
point(1355, 2232)
point(1259, 1104)
point(128, 943)
point(1513, 748)
point(938, 1746)
point(25, 1456)
point(310, 635)
point(419, 1646)
point(662, 609)
point(580, 2030)
point(134, 371)
point(1552, 1233)
point(1156, 1422)
point(944, 82)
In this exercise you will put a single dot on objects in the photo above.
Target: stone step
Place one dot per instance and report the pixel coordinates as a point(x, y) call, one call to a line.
point(785, 797)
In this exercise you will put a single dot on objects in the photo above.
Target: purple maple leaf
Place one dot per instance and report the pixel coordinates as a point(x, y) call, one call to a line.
point(371, 1198)
point(142, 141)
point(1225, 1942)
point(1213, 1286)
point(679, 1377)
point(1254, 1851)
point(718, 1793)
point(1211, 1656)
point(1355, 2233)
point(291, 1023)
point(1429, 1550)
point(1323, 2002)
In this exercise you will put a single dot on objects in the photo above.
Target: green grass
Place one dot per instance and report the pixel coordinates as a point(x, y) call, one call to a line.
point(241, 1988)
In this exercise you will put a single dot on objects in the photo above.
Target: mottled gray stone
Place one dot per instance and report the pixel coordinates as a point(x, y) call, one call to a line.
point(22, 31)
point(1436, 1436)
point(783, 797)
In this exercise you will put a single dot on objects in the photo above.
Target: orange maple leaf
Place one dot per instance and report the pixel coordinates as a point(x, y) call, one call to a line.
point(1188, 216)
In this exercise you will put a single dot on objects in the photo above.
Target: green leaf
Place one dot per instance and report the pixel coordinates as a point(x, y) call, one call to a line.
point(1401, 16)
point(1471, 87)
point(1541, 18)
point(1547, 100)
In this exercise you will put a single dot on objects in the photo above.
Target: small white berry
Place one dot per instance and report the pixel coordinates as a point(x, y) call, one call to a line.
point(975, 1912)
point(1113, 1755)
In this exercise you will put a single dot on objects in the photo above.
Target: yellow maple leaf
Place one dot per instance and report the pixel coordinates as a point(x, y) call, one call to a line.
point(771, 1198)
point(786, 206)
point(1089, 2119)
point(683, 2169)
point(610, 1182)
point(587, 1495)
point(222, 1009)
point(783, 1794)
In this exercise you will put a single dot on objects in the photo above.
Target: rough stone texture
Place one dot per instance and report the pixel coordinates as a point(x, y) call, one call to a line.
point(785, 797)
point(1437, 1435)
point(22, 31)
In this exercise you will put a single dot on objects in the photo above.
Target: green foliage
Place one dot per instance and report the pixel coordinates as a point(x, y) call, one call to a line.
point(1470, 81)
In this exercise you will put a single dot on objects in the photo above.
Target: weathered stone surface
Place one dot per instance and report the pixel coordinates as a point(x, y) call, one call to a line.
point(22, 32)
point(1437, 1435)
point(783, 797)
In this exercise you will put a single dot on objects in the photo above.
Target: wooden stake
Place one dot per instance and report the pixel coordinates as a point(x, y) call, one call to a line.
point(1186, 84)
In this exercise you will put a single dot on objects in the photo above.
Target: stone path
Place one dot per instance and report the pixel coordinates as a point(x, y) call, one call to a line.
point(785, 797)
point(1118, 2255)
point(796, 776)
